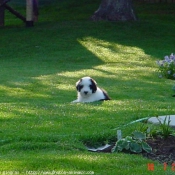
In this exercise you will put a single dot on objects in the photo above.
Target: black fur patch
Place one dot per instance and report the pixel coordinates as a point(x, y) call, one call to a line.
point(106, 95)
point(78, 86)
point(93, 86)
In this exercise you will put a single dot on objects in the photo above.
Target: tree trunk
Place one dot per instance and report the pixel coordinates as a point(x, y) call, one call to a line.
point(115, 10)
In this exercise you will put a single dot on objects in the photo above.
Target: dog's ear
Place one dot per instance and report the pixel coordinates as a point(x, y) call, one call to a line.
point(78, 87)
point(93, 85)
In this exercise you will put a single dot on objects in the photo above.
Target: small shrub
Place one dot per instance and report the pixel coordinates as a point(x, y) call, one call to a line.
point(167, 67)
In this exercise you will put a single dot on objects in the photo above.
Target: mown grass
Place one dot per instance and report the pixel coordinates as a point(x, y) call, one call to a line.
point(41, 131)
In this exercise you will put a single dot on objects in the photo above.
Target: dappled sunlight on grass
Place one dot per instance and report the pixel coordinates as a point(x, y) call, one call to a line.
point(20, 92)
point(36, 88)
point(55, 81)
point(110, 52)
point(73, 161)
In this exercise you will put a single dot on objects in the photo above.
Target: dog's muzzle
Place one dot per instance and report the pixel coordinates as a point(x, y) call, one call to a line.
point(85, 92)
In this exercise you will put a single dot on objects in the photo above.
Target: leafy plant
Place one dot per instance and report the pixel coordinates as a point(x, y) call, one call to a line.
point(135, 143)
point(167, 67)
point(165, 127)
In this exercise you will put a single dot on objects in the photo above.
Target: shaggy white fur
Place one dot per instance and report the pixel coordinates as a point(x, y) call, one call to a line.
point(89, 92)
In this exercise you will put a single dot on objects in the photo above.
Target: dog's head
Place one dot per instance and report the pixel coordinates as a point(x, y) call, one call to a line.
point(86, 86)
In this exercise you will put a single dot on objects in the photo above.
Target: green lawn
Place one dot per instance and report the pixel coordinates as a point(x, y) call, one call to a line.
point(41, 131)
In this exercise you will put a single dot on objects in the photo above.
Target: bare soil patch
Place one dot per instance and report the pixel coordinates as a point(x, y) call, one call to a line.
point(163, 149)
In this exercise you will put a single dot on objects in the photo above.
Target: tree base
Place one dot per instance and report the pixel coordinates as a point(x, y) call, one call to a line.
point(115, 10)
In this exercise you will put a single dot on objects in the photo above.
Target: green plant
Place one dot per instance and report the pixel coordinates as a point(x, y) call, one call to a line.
point(135, 143)
point(167, 67)
point(165, 129)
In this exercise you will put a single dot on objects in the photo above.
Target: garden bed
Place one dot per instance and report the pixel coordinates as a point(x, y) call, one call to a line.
point(163, 150)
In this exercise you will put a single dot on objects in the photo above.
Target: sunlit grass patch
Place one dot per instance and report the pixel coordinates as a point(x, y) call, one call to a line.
point(110, 52)
point(80, 162)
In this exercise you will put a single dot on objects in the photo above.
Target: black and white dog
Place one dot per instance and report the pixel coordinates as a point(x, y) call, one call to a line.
point(89, 92)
